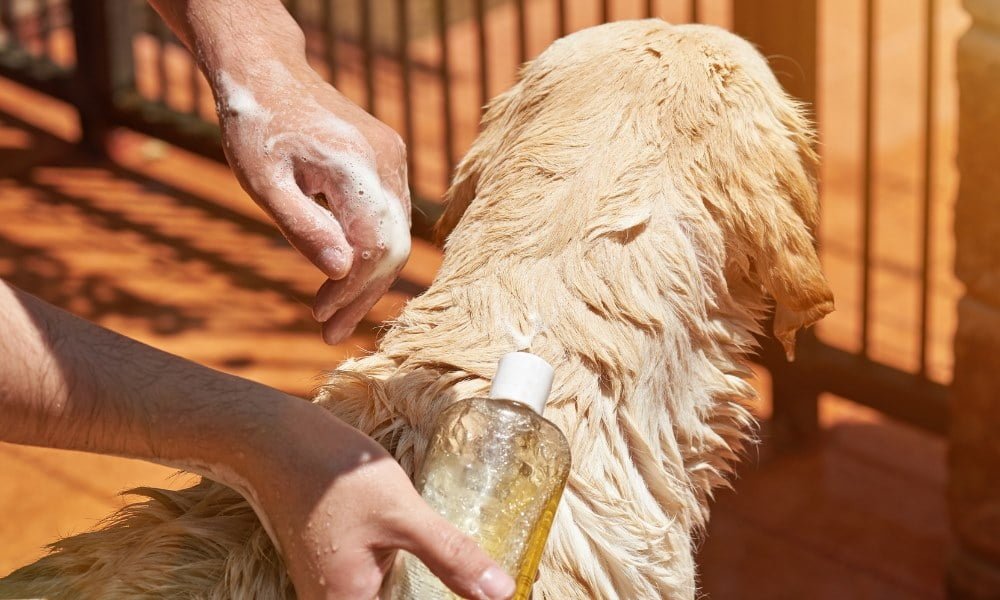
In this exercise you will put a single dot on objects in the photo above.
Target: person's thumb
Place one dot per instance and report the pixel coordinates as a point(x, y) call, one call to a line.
point(454, 557)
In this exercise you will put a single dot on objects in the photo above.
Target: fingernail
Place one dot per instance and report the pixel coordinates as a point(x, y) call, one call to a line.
point(334, 336)
point(334, 262)
point(323, 313)
point(495, 584)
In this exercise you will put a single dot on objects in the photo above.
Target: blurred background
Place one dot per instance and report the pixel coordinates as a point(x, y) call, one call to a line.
point(878, 473)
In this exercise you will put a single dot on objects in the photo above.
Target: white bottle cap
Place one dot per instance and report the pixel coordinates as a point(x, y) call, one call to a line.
point(523, 377)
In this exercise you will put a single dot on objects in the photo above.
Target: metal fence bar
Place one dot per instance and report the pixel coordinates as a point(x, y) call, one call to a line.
point(162, 35)
point(94, 81)
point(522, 32)
point(482, 43)
point(928, 189)
point(694, 12)
point(329, 26)
point(868, 156)
point(561, 24)
point(44, 28)
point(649, 9)
point(403, 31)
point(368, 55)
point(194, 80)
point(445, 74)
point(605, 11)
point(12, 23)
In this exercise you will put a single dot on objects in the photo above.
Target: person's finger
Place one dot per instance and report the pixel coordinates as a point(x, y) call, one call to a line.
point(343, 322)
point(333, 295)
point(453, 556)
point(311, 229)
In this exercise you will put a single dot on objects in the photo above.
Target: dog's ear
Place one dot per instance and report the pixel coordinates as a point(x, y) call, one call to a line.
point(791, 270)
point(469, 171)
point(778, 214)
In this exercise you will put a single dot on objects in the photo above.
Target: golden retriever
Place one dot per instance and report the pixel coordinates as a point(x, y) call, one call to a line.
point(633, 207)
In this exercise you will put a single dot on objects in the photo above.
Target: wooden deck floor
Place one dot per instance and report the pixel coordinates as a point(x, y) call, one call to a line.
point(164, 247)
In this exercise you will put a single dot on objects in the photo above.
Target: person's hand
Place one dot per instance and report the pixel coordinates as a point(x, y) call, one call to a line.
point(339, 506)
point(333, 501)
point(331, 176)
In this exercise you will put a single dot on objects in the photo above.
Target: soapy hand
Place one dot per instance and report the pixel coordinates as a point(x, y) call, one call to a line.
point(338, 506)
point(331, 176)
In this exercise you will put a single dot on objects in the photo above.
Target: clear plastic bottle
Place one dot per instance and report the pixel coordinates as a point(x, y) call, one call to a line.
point(496, 469)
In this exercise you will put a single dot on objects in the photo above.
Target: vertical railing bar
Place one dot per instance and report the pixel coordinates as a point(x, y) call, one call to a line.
point(61, 16)
point(522, 32)
point(650, 9)
point(160, 32)
point(403, 33)
point(445, 73)
point(13, 29)
point(329, 39)
point(104, 65)
point(45, 28)
point(484, 81)
point(868, 154)
point(928, 193)
point(605, 11)
point(119, 52)
point(695, 12)
point(368, 58)
point(194, 80)
point(561, 23)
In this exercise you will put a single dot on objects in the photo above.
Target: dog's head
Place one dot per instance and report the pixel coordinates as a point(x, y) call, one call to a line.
point(617, 124)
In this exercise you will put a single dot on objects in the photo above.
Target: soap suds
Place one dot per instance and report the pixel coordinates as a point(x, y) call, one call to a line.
point(296, 144)
point(523, 338)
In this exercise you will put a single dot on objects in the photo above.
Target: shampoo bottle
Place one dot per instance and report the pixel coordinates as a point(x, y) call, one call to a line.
point(496, 469)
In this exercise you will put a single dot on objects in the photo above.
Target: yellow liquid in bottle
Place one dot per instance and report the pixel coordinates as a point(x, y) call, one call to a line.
point(496, 470)
point(533, 552)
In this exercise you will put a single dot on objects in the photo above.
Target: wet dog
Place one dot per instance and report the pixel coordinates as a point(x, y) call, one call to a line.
point(632, 209)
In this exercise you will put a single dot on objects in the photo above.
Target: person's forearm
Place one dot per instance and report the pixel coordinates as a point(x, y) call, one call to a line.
point(66, 383)
point(239, 38)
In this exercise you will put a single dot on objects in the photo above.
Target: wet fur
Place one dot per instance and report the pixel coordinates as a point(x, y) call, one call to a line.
point(632, 208)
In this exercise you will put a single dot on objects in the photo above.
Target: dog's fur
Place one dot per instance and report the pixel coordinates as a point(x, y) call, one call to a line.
point(627, 212)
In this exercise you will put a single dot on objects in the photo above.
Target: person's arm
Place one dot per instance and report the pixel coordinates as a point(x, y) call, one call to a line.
point(331, 176)
point(313, 481)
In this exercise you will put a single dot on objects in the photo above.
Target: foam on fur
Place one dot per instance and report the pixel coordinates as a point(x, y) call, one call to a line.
point(634, 203)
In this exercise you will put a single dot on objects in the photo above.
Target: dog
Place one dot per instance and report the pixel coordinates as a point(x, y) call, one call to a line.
point(635, 206)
